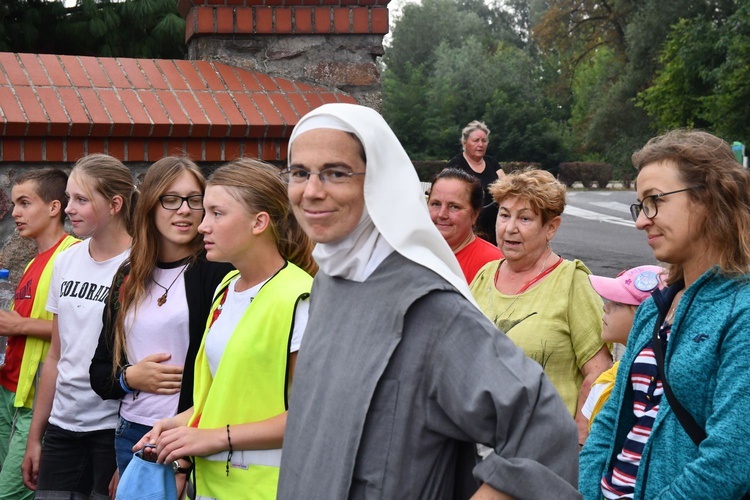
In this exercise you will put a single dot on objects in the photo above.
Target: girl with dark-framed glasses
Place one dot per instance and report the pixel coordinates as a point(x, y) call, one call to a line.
point(158, 305)
point(244, 370)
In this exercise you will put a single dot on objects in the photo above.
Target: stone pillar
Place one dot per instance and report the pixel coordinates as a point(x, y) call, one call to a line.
point(324, 42)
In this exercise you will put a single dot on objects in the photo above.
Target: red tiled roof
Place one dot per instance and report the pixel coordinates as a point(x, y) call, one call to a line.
point(58, 108)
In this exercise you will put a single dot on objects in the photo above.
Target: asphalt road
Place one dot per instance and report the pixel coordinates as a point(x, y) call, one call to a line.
point(597, 228)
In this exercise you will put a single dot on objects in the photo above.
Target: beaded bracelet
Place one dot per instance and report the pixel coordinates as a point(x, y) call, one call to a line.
point(229, 455)
point(124, 380)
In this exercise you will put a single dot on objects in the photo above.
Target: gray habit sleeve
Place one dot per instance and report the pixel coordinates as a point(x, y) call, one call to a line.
point(485, 390)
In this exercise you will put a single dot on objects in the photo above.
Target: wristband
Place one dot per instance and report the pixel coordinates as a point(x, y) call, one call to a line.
point(124, 380)
point(229, 455)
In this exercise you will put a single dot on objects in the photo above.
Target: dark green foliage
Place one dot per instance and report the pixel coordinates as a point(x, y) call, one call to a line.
point(587, 173)
point(565, 80)
point(648, 66)
point(704, 81)
point(603, 175)
point(451, 62)
point(132, 28)
point(512, 166)
point(428, 169)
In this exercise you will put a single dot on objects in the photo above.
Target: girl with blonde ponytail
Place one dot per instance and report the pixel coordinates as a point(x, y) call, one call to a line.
point(77, 458)
point(245, 366)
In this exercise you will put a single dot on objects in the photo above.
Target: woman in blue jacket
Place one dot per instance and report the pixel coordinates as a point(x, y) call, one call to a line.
point(694, 206)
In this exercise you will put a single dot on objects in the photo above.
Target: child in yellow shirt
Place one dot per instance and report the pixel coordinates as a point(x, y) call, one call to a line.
point(623, 295)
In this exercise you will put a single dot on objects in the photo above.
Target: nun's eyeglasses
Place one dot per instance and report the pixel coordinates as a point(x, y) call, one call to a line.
point(648, 205)
point(328, 175)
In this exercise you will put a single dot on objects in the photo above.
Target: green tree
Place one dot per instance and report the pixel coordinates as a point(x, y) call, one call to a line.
point(453, 61)
point(677, 96)
point(131, 28)
point(608, 52)
point(423, 27)
point(29, 25)
point(728, 107)
point(704, 81)
point(406, 106)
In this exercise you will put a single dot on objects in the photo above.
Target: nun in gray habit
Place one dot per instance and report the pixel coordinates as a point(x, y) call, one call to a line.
point(399, 373)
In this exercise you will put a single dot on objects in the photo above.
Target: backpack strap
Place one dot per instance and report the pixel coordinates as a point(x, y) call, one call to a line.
point(695, 431)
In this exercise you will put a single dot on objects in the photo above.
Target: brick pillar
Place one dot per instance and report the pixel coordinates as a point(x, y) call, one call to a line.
point(325, 42)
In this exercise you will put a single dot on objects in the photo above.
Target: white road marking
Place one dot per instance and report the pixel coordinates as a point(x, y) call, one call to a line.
point(588, 214)
point(613, 205)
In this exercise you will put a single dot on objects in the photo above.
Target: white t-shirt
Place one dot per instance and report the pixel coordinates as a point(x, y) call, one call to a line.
point(77, 294)
point(588, 407)
point(155, 330)
point(232, 311)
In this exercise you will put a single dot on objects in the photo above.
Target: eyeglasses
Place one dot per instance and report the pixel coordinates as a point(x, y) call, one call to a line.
point(328, 175)
point(648, 205)
point(174, 202)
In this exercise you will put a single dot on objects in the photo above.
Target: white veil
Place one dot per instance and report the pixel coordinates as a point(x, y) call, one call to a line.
point(393, 194)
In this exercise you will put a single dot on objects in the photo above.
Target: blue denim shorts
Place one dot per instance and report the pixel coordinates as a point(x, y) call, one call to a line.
point(126, 435)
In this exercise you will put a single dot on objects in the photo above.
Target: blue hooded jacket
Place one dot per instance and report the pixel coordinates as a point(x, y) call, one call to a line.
point(707, 364)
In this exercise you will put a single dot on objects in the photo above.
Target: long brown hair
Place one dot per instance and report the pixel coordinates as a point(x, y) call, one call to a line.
point(705, 160)
point(145, 249)
point(259, 188)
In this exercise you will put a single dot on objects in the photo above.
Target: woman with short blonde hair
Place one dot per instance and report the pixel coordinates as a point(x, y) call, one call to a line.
point(544, 303)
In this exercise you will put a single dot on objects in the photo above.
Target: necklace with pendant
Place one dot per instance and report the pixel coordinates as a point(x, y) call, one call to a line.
point(163, 299)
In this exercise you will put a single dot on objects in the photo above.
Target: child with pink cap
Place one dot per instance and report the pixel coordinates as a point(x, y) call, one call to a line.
point(623, 295)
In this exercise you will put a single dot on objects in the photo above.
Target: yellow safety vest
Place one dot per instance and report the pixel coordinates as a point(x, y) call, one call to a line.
point(35, 349)
point(251, 385)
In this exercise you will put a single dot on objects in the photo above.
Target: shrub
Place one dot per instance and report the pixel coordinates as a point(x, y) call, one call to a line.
point(427, 169)
point(627, 175)
point(586, 173)
point(568, 174)
point(512, 166)
point(603, 174)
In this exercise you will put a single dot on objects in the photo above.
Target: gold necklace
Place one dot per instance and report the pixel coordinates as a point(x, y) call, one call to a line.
point(672, 309)
point(163, 299)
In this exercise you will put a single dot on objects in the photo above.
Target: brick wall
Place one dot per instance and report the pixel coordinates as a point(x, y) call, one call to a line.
point(333, 43)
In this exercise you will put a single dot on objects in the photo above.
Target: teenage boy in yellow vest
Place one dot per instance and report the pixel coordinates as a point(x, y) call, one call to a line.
point(39, 203)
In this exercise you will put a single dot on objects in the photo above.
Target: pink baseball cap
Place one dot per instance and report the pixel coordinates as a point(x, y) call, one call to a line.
point(629, 287)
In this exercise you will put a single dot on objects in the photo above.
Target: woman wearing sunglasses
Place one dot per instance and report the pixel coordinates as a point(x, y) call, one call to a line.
point(158, 306)
point(691, 337)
